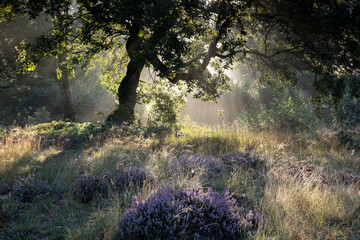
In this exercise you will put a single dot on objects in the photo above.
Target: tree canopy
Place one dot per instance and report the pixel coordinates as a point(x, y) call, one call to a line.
point(195, 41)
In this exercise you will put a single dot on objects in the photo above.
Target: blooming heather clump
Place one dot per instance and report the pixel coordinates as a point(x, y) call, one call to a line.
point(20, 236)
point(213, 166)
point(133, 176)
point(246, 159)
point(27, 189)
point(251, 220)
point(185, 214)
point(88, 188)
point(189, 164)
point(186, 164)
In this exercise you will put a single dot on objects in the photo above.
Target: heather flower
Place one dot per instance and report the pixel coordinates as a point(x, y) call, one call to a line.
point(246, 159)
point(213, 166)
point(133, 176)
point(20, 236)
point(184, 213)
point(189, 164)
point(27, 189)
point(88, 188)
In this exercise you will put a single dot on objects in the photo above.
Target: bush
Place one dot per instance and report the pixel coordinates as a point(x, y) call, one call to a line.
point(26, 235)
point(133, 176)
point(88, 188)
point(246, 159)
point(27, 189)
point(287, 110)
point(347, 113)
point(213, 166)
point(189, 164)
point(186, 214)
point(4, 213)
point(41, 115)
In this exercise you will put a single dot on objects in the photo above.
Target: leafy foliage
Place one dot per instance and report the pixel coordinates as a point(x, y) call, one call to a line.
point(347, 113)
point(287, 109)
point(41, 115)
point(164, 101)
point(67, 129)
point(112, 66)
point(186, 213)
point(181, 39)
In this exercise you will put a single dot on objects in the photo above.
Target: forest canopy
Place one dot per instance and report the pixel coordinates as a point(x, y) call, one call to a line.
point(193, 42)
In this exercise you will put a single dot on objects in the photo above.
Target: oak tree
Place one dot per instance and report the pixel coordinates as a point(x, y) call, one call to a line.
point(195, 41)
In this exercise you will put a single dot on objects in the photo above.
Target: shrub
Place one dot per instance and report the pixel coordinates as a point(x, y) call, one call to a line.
point(164, 102)
point(213, 166)
point(246, 159)
point(288, 109)
point(188, 164)
point(88, 188)
point(27, 235)
point(27, 189)
point(4, 213)
point(186, 214)
point(347, 113)
point(4, 187)
point(133, 176)
point(41, 115)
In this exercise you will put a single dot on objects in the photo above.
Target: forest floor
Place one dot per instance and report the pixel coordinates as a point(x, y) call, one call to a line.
point(304, 184)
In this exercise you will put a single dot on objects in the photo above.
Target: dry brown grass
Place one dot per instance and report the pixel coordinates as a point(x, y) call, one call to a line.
point(17, 148)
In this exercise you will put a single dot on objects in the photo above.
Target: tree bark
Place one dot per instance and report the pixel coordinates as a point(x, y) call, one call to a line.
point(68, 109)
point(127, 94)
point(127, 90)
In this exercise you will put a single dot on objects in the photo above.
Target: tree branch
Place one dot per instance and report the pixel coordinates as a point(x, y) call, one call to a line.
point(288, 50)
point(221, 30)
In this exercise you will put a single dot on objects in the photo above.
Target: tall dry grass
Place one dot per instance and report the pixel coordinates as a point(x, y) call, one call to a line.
point(303, 192)
point(15, 149)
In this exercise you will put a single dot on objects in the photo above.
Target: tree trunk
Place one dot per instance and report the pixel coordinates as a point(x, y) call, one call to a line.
point(68, 109)
point(127, 94)
point(65, 92)
point(128, 86)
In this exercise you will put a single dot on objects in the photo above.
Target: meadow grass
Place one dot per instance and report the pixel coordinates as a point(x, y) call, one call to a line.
point(307, 187)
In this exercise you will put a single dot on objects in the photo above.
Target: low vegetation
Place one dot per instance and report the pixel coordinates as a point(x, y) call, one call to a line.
point(86, 181)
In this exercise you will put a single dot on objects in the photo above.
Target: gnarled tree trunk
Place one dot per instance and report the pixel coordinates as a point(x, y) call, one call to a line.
point(127, 90)
point(127, 94)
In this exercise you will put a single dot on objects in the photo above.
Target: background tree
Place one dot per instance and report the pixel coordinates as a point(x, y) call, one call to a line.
point(30, 93)
point(59, 12)
point(60, 15)
point(25, 92)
